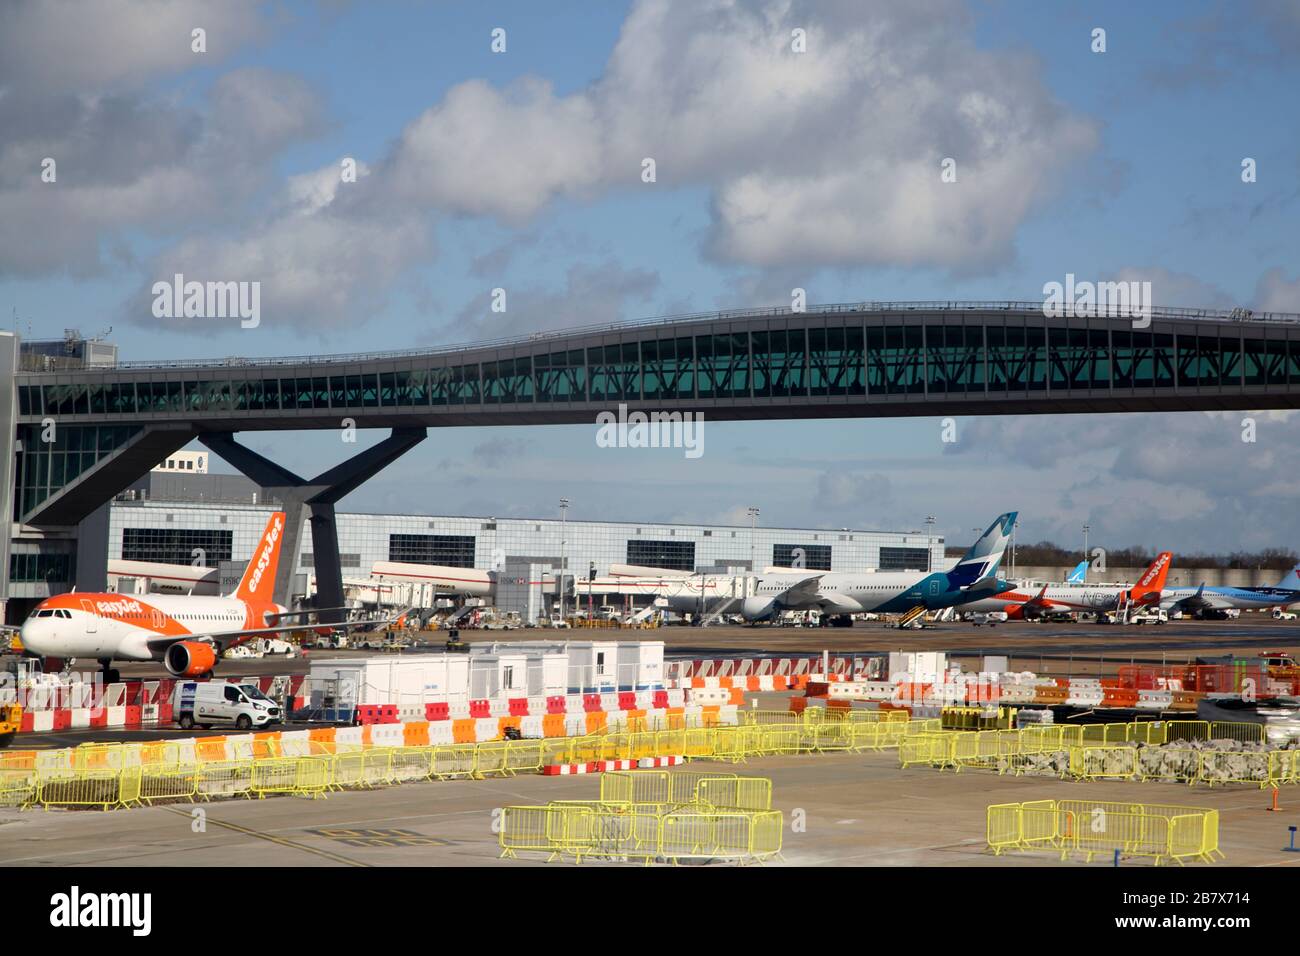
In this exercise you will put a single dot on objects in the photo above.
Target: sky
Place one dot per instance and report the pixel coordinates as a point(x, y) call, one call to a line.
point(522, 169)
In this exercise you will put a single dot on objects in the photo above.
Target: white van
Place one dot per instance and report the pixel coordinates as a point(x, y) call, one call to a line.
point(205, 703)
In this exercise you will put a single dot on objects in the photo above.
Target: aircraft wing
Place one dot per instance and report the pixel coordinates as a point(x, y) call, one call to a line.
point(1038, 600)
point(801, 594)
point(1200, 601)
point(228, 639)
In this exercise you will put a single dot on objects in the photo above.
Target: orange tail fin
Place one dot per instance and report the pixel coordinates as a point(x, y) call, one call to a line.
point(1153, 578)
point(258, 582)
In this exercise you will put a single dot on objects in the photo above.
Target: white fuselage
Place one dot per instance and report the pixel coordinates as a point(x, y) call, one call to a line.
point(120, 626)
point(1062, 597)
point(837, 592)
point(1225, 598)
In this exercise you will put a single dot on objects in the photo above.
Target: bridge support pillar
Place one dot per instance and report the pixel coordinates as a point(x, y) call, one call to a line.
point(313, 499)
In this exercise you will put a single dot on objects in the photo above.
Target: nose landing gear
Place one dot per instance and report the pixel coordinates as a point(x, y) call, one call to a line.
point(110, 675)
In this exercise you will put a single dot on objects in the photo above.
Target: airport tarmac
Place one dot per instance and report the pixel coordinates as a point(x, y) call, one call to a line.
point(856, 809)
point(1013, 637)
point(1053, 649)
point(1056, 650)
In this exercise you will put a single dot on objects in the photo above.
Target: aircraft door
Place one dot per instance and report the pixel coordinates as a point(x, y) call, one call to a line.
point(92, 619)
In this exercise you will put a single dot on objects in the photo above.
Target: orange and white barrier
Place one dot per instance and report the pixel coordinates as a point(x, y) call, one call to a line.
point(591, 766)
point(646, 763)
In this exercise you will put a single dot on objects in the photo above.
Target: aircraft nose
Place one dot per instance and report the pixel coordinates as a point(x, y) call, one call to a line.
point(30, 633)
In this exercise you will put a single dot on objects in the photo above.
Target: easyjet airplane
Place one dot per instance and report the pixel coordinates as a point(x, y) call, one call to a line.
point(1087, 598)
point(188, 634)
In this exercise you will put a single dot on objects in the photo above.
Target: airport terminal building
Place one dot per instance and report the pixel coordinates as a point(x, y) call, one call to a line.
point(215, 518)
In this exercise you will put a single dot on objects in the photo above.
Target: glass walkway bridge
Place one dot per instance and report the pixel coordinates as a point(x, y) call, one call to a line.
point(851, 360)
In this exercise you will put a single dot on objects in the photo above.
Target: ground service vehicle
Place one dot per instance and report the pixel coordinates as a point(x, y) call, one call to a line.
point(206, 703)
point(1149, 615)
point(11, 719)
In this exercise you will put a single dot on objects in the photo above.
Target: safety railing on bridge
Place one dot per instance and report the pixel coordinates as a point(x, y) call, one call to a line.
point(1157, 312)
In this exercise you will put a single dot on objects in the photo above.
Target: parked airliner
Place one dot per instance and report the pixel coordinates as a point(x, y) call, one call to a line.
point(840, 594)
point(187, 634)
point(1198, 600)
point(1087, 598)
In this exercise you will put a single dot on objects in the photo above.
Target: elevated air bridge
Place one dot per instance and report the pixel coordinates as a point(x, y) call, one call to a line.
point(861, 360)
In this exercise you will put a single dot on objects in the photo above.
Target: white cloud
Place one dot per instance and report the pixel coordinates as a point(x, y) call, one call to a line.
point(128, 163)
point(317, 272)
point(1169, 288)
point(312, 191)
point(505, 153)
point(1161, 479)
point(105, 44)
point(830, 156)
point(1276, 293)
point(592, 295)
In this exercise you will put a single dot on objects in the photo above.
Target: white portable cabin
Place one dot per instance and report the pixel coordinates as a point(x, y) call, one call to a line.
point(593, 667)
point(408, 681)
point(546, 665)
point(640, 665)
point(589, 667)
point(498, 675)
point(553, 666)
point(925, 667)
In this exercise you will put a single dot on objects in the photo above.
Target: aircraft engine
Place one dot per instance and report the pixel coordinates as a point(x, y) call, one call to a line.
point(757, 608)
point(190, 658)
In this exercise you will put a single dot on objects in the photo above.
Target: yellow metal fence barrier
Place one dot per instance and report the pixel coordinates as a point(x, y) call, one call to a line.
point(642, 832)
point(105, 775)
point(1144, 750)
point(1161, 832)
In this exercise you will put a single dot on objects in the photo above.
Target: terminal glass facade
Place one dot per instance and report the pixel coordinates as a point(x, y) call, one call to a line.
point(454, 551)
point(904, 559)
point(29, 568)
point(815, 557)
point(487, 544)
point(670, 555)
point(54, 455)
point(177, 545)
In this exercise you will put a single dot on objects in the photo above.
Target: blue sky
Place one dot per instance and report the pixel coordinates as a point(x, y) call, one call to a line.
point(520, 170)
